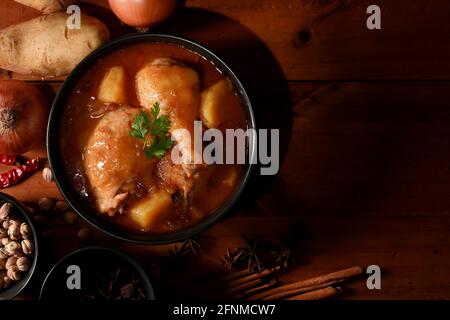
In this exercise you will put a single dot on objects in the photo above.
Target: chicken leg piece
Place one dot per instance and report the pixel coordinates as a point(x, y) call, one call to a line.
point(176, 88)
point(114, 162)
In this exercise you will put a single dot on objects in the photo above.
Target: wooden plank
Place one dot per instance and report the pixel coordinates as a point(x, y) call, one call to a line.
point(413, 260)
point(358, 147)
point(307, 39)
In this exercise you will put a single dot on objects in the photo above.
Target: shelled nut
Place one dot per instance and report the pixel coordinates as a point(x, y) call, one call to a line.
point(27, 246)
point(25, 230)
point(14, 273)
point(13, 248)
point(14, 231)
point(10, 262)
point(47, 175)
point(5, 211)
point(23, 264)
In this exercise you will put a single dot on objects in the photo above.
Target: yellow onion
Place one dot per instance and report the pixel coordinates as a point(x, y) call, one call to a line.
point(142, 13)
point(23, 117)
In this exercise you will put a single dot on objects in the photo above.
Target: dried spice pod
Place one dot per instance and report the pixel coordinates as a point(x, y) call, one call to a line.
point(5, 211)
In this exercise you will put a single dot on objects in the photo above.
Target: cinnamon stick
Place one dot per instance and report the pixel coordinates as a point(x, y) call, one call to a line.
point(320, 294)
point(293, 292)
point(320, 280)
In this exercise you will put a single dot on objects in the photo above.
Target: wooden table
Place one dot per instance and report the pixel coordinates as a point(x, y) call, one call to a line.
point(365, 129)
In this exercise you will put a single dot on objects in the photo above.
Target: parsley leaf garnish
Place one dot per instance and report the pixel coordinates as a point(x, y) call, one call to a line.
point(153, 130)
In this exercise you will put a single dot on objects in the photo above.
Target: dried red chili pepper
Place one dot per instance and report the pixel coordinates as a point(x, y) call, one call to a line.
point(19, 173)
point(8, 160)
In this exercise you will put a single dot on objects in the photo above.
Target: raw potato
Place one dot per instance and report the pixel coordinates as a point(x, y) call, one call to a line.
point(47, 6)
point(45, 47)
point(213, 108)
point(149, 212)
point(112, 87)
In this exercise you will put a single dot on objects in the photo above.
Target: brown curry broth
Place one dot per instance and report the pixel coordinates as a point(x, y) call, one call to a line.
point(77, 126)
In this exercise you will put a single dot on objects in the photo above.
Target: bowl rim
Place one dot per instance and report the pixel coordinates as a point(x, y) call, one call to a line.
point(52, 140)
point(16, 289)
point(138, 268)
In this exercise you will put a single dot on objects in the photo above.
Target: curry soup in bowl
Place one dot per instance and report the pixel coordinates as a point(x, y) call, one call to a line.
point(127, 144)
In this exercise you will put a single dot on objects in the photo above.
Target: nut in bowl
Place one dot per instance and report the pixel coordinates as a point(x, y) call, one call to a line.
point(18, 247)
point(120, 118)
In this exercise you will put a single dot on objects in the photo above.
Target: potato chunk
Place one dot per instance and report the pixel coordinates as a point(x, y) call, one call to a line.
point(213, 107)
point(112, 87)
point(151, 211)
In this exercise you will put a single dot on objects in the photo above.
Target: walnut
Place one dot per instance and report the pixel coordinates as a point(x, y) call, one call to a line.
point(27, 246)
point(46, 204)
point(5, 241)
point(47, 175)
point(12, 261)
point(14, 231)
point(25, 230)
point(5, 211)
point(2, 265)
point(13, 248)
point(6, 224)
point(6, 282)
point(14, 273)
point(3, 253)
point(3, 233)
point(23, 263)
point(61, 206)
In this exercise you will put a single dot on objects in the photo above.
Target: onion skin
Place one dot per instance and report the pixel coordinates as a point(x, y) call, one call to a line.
point(23, 117)
point(142, 13)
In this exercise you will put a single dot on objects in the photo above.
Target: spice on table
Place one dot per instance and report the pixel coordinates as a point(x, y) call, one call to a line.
point(70, 217)
point(19, 173)
point(47, 175)
point(46, 204)
point(61, 206)
point(84, 234)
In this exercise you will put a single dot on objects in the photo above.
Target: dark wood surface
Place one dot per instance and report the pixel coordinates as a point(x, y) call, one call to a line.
point(365, 127)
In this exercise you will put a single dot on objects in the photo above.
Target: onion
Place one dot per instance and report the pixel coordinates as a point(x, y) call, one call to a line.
point(142, 13)
point(23, 117)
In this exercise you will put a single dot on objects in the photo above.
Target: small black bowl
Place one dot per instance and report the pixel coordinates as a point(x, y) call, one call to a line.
point(18, 286)
point(90, 260)
point(58, 166)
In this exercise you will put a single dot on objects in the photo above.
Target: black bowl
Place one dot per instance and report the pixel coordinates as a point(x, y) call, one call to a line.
point(18, 286)
point(58, 166)
point(90, 260)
